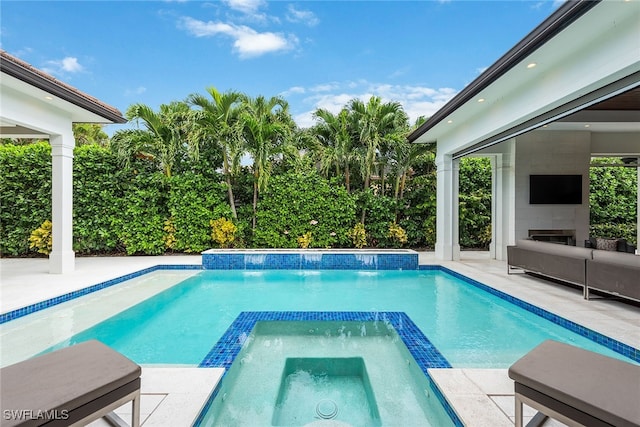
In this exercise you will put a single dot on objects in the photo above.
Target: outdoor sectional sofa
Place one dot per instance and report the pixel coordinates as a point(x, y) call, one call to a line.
point(616, 273)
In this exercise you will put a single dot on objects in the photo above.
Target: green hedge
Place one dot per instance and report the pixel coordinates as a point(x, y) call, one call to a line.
point(25, 194)
point(194, 200)
point(297, 203)
point(99, 186)
point(475, 202)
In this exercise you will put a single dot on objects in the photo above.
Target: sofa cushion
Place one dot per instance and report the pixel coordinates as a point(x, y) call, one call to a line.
point(606, 244)
point(618, 258)
point(555, 249)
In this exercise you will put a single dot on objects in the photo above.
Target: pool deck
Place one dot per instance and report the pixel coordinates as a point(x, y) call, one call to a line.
point(172, 396)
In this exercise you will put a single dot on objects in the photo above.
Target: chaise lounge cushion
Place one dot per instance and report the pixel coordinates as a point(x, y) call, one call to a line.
point(65, 379)
point(603, 387)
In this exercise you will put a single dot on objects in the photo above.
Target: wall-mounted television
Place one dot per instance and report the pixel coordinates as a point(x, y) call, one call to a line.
point(555, 189)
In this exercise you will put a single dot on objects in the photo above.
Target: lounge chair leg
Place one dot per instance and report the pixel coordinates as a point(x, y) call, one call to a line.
point(518, 411)
point(135, 411)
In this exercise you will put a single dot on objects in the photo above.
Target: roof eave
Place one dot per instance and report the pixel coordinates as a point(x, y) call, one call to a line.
point(550, 27)
point(24, 74)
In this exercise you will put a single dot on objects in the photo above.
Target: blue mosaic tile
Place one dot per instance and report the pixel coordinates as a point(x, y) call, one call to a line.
point(423, 351)
point(283, 261)
point(406, 261)
point(311, 260)
point(223, 261)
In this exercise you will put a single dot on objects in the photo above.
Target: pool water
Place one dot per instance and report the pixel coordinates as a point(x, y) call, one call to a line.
point(469, 326)
point(297, 373)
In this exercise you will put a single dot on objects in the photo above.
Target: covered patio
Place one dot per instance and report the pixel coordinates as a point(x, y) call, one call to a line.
point(569, 91)
point(36, 105)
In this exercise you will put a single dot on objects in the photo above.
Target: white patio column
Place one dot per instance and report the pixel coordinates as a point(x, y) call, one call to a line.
point(502, 204)
point(447, 208)
point(62, 257)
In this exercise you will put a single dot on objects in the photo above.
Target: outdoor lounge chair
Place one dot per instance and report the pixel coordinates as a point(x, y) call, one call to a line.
point(71, 386)
point(577, 387)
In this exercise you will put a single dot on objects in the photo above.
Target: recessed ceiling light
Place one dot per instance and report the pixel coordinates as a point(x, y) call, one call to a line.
point(48, 98)
point(449, 121)
point(545, 126)
point(481, 100)
point(587, 126)
point(531, 65)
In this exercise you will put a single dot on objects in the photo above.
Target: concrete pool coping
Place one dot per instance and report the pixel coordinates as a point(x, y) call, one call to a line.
point(481, 397)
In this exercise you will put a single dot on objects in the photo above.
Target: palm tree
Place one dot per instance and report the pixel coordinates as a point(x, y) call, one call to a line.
point(89, 133)
point(334, 134)
point(403, 157)
point(218, 120)
point(164, 139)
point(266, 124)
point(373, 123)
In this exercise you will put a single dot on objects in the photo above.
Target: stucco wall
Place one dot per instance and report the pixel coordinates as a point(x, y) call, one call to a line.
point(542, 153)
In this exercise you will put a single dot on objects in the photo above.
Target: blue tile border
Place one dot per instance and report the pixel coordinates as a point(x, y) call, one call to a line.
point(423, 351)
point(229, 345)
point(23, 311)
point(612, 344)
point(309, 260)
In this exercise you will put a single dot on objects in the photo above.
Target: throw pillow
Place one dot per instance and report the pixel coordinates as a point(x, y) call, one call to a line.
point(606, 244)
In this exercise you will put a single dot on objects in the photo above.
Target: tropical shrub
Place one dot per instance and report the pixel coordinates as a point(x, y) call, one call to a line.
point(397, 235)
point(358, 235)
point(169, 237)
point(296, 203)
point(223, 232)
point(305, 240)
point(41, 239)
point(25, 194)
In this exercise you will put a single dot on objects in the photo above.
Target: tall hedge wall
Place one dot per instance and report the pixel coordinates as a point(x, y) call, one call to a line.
point(25, 194)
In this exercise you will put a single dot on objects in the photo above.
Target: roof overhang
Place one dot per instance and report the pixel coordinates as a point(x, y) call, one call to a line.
point(22, 81)
point(560, 45)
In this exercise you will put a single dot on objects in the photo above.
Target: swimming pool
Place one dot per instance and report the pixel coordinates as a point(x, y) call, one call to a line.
point(474, 325)
point(470, 327)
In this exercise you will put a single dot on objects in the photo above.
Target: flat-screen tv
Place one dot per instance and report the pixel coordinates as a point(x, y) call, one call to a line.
point(555, 189)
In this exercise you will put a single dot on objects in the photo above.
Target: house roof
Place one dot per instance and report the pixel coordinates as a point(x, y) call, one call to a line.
point(554, 24)
point(25, 72)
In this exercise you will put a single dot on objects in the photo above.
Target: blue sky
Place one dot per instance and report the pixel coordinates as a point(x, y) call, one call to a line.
point(314, 53)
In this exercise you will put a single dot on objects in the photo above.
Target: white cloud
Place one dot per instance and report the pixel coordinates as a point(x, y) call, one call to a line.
point(66, 65)
point(415, 99)
point(305, 16)
point(247, 41)
point(293, 90)
point(137, 91)
point(245, 6)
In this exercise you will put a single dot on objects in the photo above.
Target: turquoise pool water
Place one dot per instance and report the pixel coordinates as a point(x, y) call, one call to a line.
point(469, 326)
point(293, 373)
